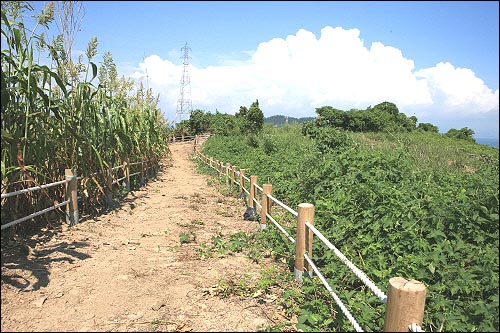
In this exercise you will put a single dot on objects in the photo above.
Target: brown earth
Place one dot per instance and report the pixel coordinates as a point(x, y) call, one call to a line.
point(127, 270)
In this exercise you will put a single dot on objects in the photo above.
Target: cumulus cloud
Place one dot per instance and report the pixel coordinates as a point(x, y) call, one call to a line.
point(458, 88)
point(297, 74)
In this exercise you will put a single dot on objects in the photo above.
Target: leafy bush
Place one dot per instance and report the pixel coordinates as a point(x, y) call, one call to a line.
point(252, 141)
point(269, 146)
point(394, 205)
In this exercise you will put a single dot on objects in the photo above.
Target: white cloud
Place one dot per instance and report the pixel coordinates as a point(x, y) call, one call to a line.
point(295, 75)
point(458, 89)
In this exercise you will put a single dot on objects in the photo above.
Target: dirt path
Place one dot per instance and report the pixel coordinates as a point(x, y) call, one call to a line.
point(127, 270)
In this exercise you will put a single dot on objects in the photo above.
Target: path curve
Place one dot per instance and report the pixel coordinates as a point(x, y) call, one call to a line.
point(128, 271)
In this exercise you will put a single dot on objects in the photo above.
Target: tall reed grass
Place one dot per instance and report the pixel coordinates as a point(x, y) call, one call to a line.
point(56, 117)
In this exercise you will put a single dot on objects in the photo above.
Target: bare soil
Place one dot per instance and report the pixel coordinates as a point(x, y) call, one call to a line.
point(127, 269)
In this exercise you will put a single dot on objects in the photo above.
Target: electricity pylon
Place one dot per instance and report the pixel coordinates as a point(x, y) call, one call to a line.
point(184, 103)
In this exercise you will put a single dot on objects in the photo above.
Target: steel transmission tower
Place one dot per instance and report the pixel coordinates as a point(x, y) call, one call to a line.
point(184, 103)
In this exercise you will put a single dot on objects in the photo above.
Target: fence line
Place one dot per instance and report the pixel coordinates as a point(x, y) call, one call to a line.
point(362, 276)
point(294, 213)
point(341, 305)
point(281, 228)
point(257, 203)
point(22, 219)
point(404, 312)
point(32, 189)
point(72, 214)
point(73, 217)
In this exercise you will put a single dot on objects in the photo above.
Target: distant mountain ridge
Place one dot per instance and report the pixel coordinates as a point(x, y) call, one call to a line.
point(280, 120)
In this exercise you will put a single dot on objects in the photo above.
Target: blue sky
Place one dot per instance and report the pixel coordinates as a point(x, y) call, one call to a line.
point(436, 60)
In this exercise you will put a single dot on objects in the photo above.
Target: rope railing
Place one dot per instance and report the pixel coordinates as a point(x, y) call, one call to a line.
point(72, 212)
point(294, 213)
point(281, 228)
point(415, 328)
point(183, 138)
point(403, 313)
point(334, 295)
point(32, 189)
point(118, 180)
point(244, 189)
point(257, 203)
point(362, 276)
point(22, 219)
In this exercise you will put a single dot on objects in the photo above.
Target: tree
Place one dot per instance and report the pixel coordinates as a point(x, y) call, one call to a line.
point(331, 117)
point(181, 128)
point(198, 122)
point(428, 127)
point(461, 134)
point(222, 124)
point(254, 118)
point(388, 107)
point(242, 112)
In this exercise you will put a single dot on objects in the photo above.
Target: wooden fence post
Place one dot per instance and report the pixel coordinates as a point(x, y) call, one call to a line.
point(305, 214)
point(227, 172)
point(233, 176)
point(217, 166)
point(182, 138)
point(109, 186)
point(266, 204)
point(221, 168)
point(72, 215)
point(242, 180)
point(405, 304)
point(142, 172)
point(127, 175)
point(309, 242)
point(253, 181)
point(211, 160)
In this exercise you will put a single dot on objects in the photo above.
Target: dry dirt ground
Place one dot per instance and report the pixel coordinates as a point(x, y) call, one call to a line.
point(127, 270)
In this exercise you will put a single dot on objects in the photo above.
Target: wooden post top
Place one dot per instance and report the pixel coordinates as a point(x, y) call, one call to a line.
point(306, 205)
point(405, 285)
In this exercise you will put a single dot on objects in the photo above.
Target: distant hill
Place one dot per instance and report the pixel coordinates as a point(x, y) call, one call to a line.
point(281, 120)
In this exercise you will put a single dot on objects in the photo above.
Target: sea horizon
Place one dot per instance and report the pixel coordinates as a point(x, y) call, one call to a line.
point(488, 141)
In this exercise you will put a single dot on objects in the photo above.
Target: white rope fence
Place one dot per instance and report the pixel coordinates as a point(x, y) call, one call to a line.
point(244, 189)
point(294, 213)
point(281, 228)
point(22, 219)
point(391, 307)
point(56, 206)
point(415, 328)
point(257, 203)
point(362, 276)
point(334, 295)
point(35, 188)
